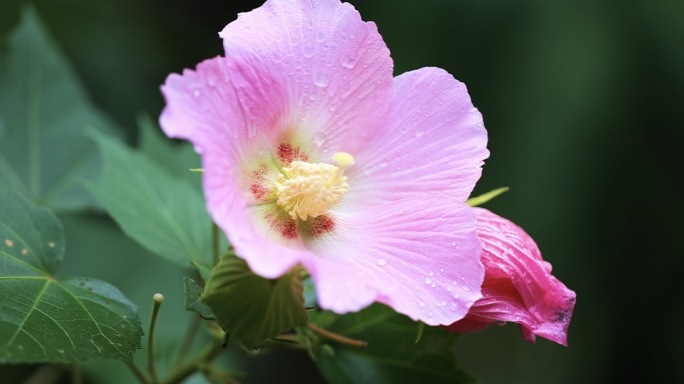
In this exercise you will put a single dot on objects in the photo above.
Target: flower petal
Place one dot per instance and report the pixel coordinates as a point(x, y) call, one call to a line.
point(435, 142)
point(419, 255)
point(313, 67)
point(518, 284)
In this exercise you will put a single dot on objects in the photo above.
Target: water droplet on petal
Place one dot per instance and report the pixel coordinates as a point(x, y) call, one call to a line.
point(321, 80)
point(349, 61)
point(382, 262)
point(430, 274)
point(428, 280)
point(319, 139)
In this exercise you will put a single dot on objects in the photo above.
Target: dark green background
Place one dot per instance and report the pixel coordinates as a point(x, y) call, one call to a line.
point(584, 103)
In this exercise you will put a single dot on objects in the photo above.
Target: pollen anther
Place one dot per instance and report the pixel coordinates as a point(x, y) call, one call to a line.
point(310, 189)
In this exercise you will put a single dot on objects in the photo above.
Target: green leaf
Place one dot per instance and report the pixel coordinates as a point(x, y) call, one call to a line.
point(392, 356)
point(250, 308)
point(44, 111)
point(162, 212)
point(193, 292)
point(45, 319)
point(485, 197)
point(177, 159)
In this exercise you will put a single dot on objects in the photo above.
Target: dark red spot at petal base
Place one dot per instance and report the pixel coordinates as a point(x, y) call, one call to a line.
point(288, 229)
point(321, 225)
point(287, 154)
point(258, 191)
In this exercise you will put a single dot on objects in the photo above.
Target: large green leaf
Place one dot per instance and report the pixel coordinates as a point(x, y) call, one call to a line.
point(392, 355)
point(43, 113)
point(45, 319)
point(164, 213)
point(250, 308)
point(177, 158)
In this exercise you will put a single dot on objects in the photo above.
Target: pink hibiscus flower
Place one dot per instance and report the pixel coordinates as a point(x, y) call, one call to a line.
point(315, 156)
point(518, 285)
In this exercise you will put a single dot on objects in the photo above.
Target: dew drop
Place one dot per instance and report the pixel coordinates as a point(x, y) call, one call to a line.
point(454, 282)
point(430, 273)
point(449, 289)
point(433, 285)
point(444, 303)
point(382, 262)
point(321, 80)
point(319, 139)
point(456, 296)
point(348, 61)
point(9, 243)
point(308, 51)
point(428, 280)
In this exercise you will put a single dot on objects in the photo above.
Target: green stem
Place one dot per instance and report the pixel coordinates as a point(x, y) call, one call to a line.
point(189, 338)
point(139, 374)
point(76, 376)
point(337, 337)
point(216, 375)
point(209, 353)
point(158, 298)
point(215, 240)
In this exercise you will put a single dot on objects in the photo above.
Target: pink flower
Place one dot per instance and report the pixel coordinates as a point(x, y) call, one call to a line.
point(518, 285)
point(315, 156)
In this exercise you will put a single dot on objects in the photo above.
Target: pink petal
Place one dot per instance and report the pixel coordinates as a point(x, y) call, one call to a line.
point(435, 142)
point(312, 68)
point(419, 255)
point(518, 284)
point(201, 105)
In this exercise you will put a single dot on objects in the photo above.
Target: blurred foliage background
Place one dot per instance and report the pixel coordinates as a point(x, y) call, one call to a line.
point(583, 103)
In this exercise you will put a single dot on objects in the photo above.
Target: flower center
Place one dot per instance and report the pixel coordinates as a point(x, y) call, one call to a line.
point(310, 189)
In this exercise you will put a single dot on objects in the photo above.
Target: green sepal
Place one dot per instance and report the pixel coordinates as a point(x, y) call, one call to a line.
point(251, 308)
point(392, 354)
point(193, 292)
